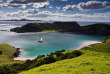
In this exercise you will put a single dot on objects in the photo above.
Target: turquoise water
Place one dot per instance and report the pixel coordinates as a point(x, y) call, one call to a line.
point(28, 42)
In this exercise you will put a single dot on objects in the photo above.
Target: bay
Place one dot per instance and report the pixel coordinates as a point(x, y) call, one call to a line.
point(30, 47)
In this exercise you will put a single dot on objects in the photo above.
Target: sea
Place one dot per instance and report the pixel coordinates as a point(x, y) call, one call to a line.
point(31, 48)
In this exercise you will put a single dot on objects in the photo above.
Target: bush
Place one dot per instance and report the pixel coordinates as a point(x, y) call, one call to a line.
point(77, 52)
point(0, 52)
point(40, 60)
point(40, 56)
point(63, 50)
point(58, 53)
point(7, 70)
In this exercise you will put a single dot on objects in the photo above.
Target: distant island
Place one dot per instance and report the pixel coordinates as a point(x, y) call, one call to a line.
point(20, 20)
point(73, 27)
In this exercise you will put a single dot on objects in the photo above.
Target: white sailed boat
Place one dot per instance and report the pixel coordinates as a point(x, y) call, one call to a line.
point(41, 40)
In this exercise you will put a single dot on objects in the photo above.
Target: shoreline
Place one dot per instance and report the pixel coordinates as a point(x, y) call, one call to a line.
point(87, 44)
point(82, 45)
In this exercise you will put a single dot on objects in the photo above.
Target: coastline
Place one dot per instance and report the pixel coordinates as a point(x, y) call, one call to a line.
point(87, 44)
point(82, 45)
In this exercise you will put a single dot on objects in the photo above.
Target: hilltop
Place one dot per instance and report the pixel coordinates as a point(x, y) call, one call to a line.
point(7, 54)
point(72, 27)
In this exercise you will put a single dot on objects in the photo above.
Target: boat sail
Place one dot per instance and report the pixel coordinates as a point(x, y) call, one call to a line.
point(41, 40)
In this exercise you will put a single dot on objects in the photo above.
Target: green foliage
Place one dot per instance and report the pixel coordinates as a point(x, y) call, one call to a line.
point(41, 60)
point(7, 52)
point(102, 47)
point(98, 28)
point(73, 27)
point(0, 52)
point(48, 27)
point(40, 56)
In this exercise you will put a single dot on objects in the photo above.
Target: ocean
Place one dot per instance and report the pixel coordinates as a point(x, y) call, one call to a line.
point(30, 47)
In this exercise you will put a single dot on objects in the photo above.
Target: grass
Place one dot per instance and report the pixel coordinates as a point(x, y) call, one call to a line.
point(95, 60)
point(7, 54)
point(50, 31)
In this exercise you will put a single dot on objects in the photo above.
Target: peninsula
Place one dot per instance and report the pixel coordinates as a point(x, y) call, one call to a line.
point(72, 27)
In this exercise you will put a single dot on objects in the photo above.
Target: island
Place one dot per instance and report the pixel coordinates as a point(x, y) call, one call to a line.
point(73, 27)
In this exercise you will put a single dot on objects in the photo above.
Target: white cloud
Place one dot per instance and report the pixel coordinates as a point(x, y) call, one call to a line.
point(24, 3)
point(93, 5)
point(69, 7)
point(32, 11)
point(58, 7)
point(50, 7)
point(90, 5)
point(13, 5)
point(40, 5)
point(19, 14)
point(47, 15)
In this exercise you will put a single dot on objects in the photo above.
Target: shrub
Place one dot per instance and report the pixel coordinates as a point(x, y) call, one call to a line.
point(40, 56)
point(0, 52)
point(77, 52)
point(58, 53)
point(63, 50)
point(28, 61)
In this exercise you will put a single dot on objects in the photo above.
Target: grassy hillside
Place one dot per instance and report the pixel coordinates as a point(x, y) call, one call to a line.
point(7, 54)
point(95, 60)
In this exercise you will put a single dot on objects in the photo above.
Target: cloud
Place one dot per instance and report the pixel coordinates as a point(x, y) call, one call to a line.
point(93, 5)
point(24, 3)
point(1, 12)
point(47, 15)
point(13, 5)
point(1, 0)
point(50, 7)
point(31, 1)
point(58, 7)
point(41, 5)
point(90, 5)
point(32, 11)
point(69, 7)
point(19, 14)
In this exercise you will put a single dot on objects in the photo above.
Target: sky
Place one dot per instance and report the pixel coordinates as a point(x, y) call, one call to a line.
point(56, 10)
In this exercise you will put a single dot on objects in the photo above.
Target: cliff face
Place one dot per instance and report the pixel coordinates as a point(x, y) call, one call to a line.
point(99, 28)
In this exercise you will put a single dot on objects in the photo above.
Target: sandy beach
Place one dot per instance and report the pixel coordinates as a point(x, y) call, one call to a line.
point(86, 44)
point(23, 59)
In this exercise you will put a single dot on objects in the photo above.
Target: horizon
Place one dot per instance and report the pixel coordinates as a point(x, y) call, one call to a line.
point(56, 10)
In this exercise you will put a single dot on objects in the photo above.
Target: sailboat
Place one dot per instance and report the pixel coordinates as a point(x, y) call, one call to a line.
point(41, 40)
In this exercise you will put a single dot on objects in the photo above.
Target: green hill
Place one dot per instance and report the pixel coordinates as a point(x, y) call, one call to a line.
point(7, 54)
point(72, 27)
point(95, 60)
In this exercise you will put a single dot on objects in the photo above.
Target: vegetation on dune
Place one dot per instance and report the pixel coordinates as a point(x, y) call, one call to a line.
point(73, 27)
point(95, 60)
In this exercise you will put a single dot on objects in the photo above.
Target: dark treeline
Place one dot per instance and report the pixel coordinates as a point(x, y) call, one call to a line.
point(40, 60)
point(73, 27)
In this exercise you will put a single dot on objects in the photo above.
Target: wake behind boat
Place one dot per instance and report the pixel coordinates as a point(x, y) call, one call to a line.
point(41, 40)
